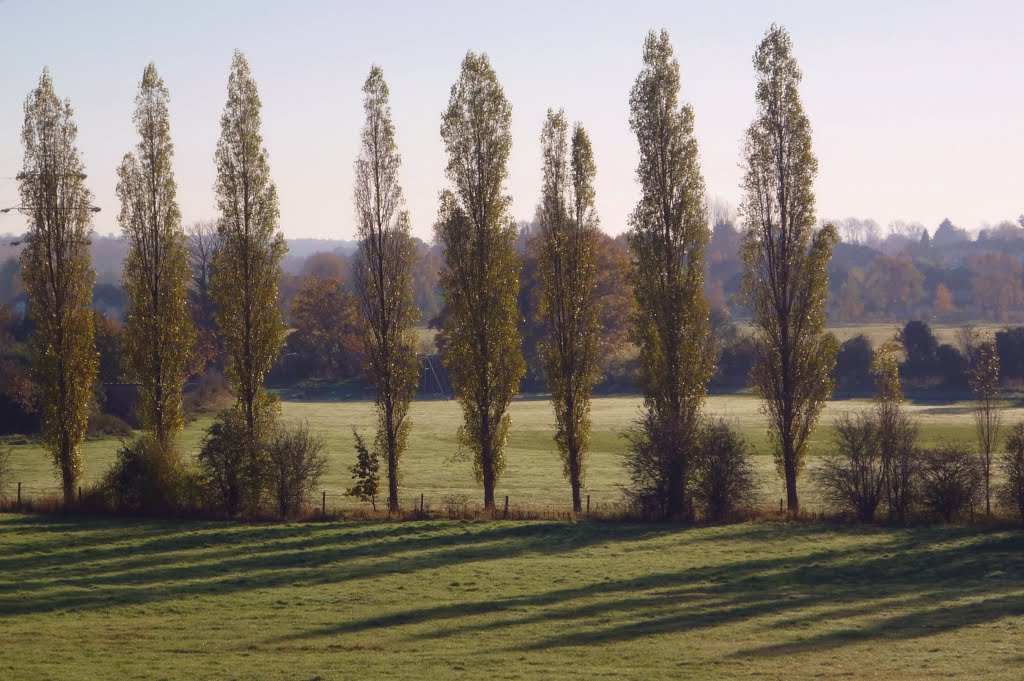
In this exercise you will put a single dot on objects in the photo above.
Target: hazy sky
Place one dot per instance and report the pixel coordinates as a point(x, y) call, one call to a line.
point(917, 107)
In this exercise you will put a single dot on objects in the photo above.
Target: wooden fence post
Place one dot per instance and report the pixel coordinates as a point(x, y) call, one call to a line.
point(79, 496)
point(780, 504)
point(19, 496)
point(506, 505)
point(421, 502)
point(588, 505)
point(323, 503)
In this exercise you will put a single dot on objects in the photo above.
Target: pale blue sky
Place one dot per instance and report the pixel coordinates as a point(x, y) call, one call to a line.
point(917, 107)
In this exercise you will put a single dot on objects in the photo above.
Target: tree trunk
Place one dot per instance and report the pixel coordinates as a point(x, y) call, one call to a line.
point(392, 481)
point(488, 469)
point(67, 479)
point(792, 504)
point(676, 502)
point(574, 480)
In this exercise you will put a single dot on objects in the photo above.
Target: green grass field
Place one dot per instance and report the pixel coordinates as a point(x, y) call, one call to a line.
point(103, 598)
point(534, 475)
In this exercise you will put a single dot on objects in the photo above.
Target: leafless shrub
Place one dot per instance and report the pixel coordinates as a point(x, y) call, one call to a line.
point(296, 464)
point(950, 479)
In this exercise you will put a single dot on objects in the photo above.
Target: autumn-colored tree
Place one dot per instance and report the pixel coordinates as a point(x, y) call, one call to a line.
point(983, 377)
point(893, 286)
point(426, 273)
point(614, 293)
point(110, 339)
point(996, 284)
point(851, 297)
point(567, 262)
point(156, 271)
point(247, 264)
point(324, 319)
point(383, 279)
point(671, 325)
point(324, 265)
point(943, 307)
point(786, 260)
point(58, 276)
point(480, 278)
point(202, 242)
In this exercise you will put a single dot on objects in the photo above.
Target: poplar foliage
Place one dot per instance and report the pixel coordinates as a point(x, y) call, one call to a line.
point(667, 237)
point(383, 279)
point(158, 327)
point(567, 264)
point(785, 260)
point(247, 263)
point(480, 278)
point(983, 378)
point(58, 276)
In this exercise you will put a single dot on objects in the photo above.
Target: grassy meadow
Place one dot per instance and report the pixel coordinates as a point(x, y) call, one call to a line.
point(534, 474)
point(101, 598)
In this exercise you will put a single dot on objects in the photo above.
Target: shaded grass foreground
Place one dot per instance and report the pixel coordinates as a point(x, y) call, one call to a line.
point(84, 598)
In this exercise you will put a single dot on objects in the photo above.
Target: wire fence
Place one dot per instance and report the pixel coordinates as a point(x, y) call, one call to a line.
point(427, 503)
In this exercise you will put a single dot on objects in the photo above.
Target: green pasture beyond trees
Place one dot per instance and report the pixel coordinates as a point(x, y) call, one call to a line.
point(534, 476)
point(99, 598)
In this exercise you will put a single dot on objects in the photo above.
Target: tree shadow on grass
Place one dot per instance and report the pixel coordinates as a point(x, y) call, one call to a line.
point(913, 572)
point(220, 558)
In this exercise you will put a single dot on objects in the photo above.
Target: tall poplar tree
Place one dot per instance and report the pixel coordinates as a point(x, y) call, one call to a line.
point(983, 377)
point(383, 279)
point(785, 260)
point(58, 275)
point(247, 264)
point(668, 233)
point(480, 279)
point(158, 328)
point(567, 264)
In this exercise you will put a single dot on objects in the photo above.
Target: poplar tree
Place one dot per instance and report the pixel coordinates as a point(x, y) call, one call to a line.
point(158, 328)
point(567, 264)
point(383, 279)
point(247, 263)
point(58, 276)
point(671, 325)
point(480, 278)
point(983, 377)
point(785, 260)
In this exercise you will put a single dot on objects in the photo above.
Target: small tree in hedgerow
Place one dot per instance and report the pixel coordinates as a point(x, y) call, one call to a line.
point(671, 325)
point(897, 434)
point(383, 280)
point(365, 472)
point(983, 377)
point(567, 264)
point(480, 277)
point(785, 260)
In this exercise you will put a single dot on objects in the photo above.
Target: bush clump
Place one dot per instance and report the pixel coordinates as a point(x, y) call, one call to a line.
point(146, 477)
point(852, 476)
point(1012, 492)
point(234, 474)
point(724, 479)
point(950, 480)
point(296, 463)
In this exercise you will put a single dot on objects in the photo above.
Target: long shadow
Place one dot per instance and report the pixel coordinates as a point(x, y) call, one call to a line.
point(922, 570)
point(906, 583)
point(97, 577)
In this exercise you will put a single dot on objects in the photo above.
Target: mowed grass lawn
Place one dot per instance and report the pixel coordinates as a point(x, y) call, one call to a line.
point(534, 474)
point(105, 598)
